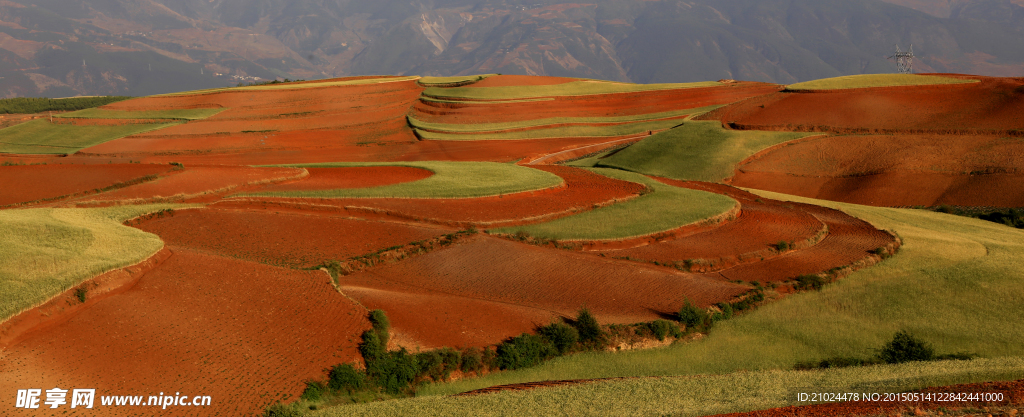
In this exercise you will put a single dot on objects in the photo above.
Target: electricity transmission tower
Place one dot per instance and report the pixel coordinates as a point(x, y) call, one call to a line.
point(904, 60)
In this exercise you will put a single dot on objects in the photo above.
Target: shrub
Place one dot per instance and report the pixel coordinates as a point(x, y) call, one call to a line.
point(472, 360)
point(80, 294)
point(726, 310)
point(394, 372)
point(314, 391)
point(370, 348)
point(662, 328)
point(430, 364)
point(490, 358)
point(588, 328)
point(345, 378)
point(450, 361)
point(691, 316)
point(281, 410)
point(807, 282)
point(523, 351)
point(560, 335)
point(905, 348)
point(782, 246)
point(381, 325)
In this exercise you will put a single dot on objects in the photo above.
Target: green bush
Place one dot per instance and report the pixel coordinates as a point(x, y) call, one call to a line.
point(472, 360)
point(905, 348)
point(490, 358)
point(430, 364)
point(560, 335)
point(523, 351)
point(691, 316)
point(588, 328)
point(662, 328)
point(808, 282)
point(381, 325)
point(450, 361)
point(345, 378)
point(28, 105)
point(314, 391)
point(371, 348)
point(782, 246)
point(281, 410)
point(80, 294)
point(394, 372)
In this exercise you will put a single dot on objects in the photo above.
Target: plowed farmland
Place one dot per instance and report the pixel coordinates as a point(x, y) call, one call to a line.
point(28, 183)
point(238, 331)
point(198, 182)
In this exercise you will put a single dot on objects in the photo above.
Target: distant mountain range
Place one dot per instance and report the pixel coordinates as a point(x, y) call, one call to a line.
point(60, 48)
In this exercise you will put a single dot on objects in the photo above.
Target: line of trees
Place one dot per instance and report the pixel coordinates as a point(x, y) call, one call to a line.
point(29, 105)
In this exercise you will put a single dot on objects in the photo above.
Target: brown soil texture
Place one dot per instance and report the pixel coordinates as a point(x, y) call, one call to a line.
point(1013, 393)
point(603, 105)
point(556, 281)
point(751, 237)
point(288, 239)
point(894, 170)
point(25, 183)
point(520, 80)
point(243, 333)
point(583, 190)
point(992, 104)
point(198, 182)
point(351, 177)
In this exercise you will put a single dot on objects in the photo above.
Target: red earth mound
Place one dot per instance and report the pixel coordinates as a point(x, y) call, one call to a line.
point(351, 177)
point(1012, 393)
point(289, 239)
point(25, 183)
point(751, 237)
point(193, 182)
point(520, 80)
point(244, 333)
point(604, 105)
point(900, 170)
point(517, 274)
point(583, 190)
point(992, 104)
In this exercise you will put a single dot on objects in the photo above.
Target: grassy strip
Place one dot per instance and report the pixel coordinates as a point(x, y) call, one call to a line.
point(46, 251)
point(42, 137)
point(664, 209)
point(177, 114)
point(450, 180)
point(955, 283)
point(449, 81)
point(695, 396)
point(575, 88)
point(524, 124)
point(875, 80)
point(484, 102)
point(27, 105)
point(697, 150)
point(294, 86)
point(559, 132)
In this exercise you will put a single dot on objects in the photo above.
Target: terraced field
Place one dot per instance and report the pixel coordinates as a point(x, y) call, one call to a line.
point(473, 209)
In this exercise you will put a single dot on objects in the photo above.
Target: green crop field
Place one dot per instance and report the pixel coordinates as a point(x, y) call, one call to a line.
point(697, 150)
point(693, 396)
point(450, 180)
point(177, 114)
point(525, 124)
point(42, 137)
point(45, 251)
point(955, 284)
point(572, 131)
point(293, 86)
point(575, 88)
point(875, 80)
point(457, 80)
point(665, 208)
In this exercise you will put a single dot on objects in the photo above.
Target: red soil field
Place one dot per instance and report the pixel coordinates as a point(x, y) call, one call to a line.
point(351, 177)
point(849, 240)
point(604, 105)
point(901, 170)
point(992, 104)
point(558, 281)
point(520, 80)
point(195, 182)
point(1013, 394)
point(761, 224)
point(582, 191)
point(243, 333)
point(288, 239)
point(25, 183)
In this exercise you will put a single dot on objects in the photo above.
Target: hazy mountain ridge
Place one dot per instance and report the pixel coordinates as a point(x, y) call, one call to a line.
point(68, 47)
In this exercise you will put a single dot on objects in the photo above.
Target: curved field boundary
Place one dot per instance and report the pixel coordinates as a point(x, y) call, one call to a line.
point(574, 131)
point(38, 184)
point(697, 150)
point(42, 137)
point(664, 209)
point(296, 86)
point(176, 114)
point(450, 180)
point(571, 89)
point(195, 182)
point(873, 131)
point(43, 252)
point(579, 152)
point(457, 81)
point(875, 80)
point(550, 122)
